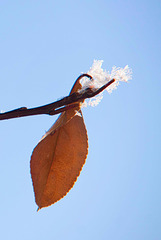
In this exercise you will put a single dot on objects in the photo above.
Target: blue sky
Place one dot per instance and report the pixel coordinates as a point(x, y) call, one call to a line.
point(44, 47)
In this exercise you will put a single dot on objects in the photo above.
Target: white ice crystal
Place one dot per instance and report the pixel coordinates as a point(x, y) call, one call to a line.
point(101, 77)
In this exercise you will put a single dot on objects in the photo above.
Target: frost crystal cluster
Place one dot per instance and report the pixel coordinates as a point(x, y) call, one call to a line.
point(101, 77)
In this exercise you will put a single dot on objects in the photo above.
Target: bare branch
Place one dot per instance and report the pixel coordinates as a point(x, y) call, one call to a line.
point(59, 106)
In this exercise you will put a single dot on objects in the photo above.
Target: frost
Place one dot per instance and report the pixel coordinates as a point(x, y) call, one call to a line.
point(101, 77)
point(78, 114)
point(95, 100)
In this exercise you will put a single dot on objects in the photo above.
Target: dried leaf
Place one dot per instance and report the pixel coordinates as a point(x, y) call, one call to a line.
point(58, 158)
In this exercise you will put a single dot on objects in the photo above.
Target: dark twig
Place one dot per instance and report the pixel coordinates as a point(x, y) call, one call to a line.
point(59, 106)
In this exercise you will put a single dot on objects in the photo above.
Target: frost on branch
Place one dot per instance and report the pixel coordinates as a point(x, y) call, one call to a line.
point(101, 77)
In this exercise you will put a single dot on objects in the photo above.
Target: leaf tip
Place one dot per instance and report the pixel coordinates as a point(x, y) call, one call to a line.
point(38, 209)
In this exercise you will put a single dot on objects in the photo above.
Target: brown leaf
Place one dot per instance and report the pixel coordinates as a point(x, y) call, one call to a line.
point(58, 158)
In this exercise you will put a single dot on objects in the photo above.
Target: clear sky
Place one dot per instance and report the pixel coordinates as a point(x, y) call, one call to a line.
point(44, 47)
